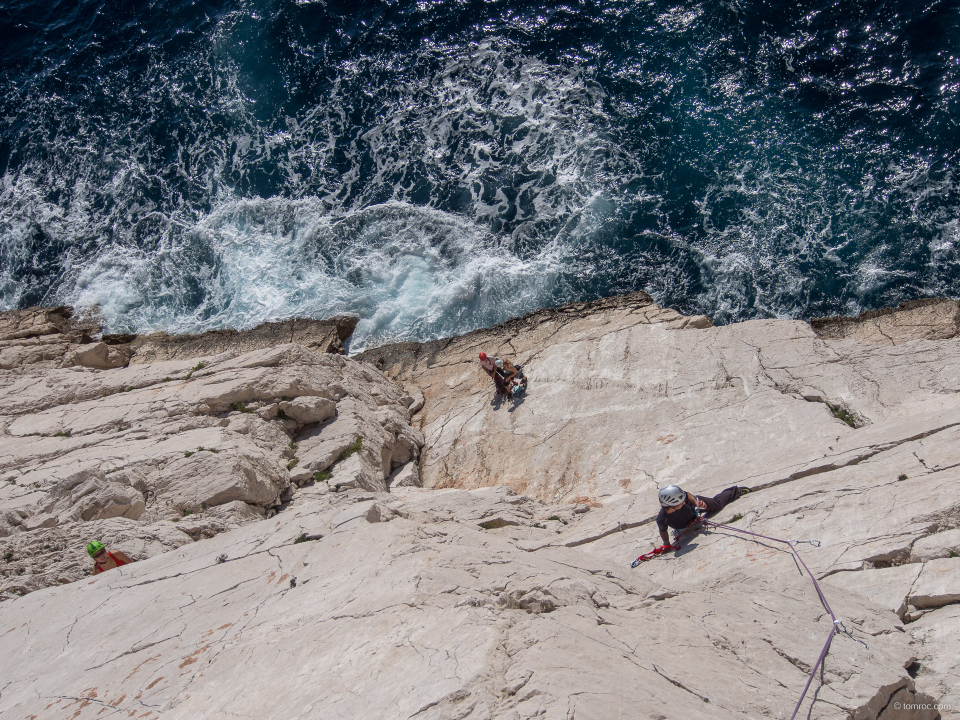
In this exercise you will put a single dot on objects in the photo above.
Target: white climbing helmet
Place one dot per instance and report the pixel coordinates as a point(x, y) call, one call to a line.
point(499, 363)
point(672, 496)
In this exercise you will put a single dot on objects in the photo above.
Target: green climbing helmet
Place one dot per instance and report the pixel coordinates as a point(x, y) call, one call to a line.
point(95, 547)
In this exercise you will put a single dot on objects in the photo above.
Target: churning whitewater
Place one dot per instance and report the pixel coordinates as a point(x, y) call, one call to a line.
point(440, 166)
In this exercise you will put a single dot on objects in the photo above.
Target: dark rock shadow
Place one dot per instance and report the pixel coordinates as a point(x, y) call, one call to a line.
point(516, 402)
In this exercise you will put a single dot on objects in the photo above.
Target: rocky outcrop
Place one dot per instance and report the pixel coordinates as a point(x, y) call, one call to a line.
point(38, 339)
point(154, 456)
point(329, 584)
point(928, 319)
point(325, 336)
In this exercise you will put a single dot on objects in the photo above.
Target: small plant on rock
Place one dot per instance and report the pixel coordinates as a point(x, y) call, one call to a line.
point(166, 379)
point(841, 413)
point(187, 512)
point(188, 453)
point(198, 366)
point(738, 516)
point(301, 538)
point(953, 553)
point(293, 446)
point(240, 407)
point(293, 463)
point(63, 433)
point(354, 447)
point(322, 476)
point(539, 526)
point(902, 477)
point(281, 415)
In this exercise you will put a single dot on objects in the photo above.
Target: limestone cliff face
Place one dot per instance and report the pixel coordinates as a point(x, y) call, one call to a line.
point(287, 570)
point(155, 455)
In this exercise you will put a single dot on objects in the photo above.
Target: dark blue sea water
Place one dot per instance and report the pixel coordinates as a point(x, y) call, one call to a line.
point(438, 166)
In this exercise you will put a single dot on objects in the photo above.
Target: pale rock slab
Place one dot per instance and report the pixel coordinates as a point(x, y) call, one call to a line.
point(887, 587)
point(407, 475)
point(933, 547)
point(937, 585)
point(430, 616)
point(935, 635)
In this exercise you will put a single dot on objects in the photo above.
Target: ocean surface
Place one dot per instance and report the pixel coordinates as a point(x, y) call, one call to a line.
point(438, 166)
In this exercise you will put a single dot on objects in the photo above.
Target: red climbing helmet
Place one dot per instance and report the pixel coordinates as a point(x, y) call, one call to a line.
point(483, 356)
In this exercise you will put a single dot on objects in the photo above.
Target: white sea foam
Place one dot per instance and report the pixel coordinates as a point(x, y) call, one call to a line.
point(409, 272)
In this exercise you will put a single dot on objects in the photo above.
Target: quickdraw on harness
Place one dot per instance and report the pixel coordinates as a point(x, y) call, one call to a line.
point(792, 544)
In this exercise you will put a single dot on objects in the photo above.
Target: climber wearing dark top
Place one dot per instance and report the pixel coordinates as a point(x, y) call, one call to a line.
point(679, 508)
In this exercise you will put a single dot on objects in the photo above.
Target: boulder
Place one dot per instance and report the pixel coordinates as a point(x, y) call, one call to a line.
point(308, 410)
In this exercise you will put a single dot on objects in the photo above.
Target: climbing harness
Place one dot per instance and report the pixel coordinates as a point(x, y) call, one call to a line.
point(792, 544)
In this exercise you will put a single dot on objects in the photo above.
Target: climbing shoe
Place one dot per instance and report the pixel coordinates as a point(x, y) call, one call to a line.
point(742, 491)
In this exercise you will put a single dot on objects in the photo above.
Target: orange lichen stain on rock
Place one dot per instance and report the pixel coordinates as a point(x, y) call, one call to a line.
point(584, 500)
point(282, 578)
point(624, 483)
point(519, 485)
point(666, 439)
point(154, 683)
point(119, 700)
point(137, 668)
point(222, 627)
point(271, 576)
point(192, 657)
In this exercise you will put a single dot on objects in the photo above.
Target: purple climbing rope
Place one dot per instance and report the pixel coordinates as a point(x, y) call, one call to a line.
point(792, 544)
